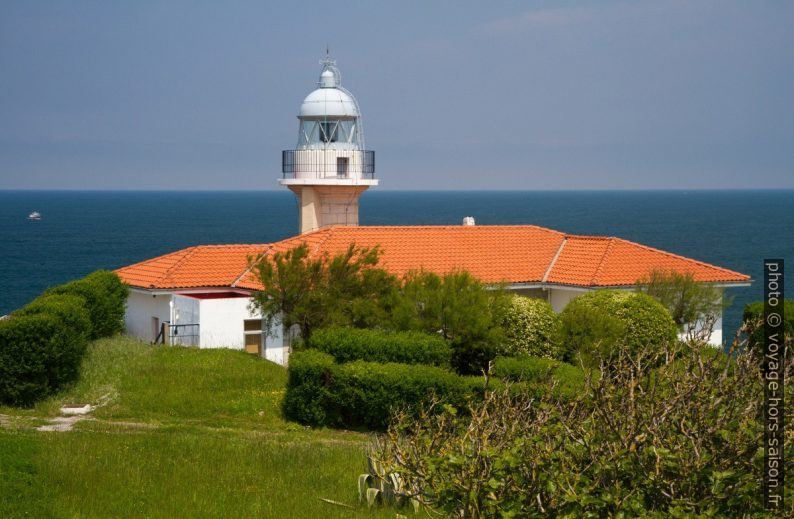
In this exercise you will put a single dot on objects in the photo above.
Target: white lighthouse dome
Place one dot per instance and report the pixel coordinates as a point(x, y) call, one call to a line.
point(329, 102)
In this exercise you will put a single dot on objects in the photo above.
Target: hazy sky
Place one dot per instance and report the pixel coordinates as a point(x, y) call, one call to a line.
point(455, 95)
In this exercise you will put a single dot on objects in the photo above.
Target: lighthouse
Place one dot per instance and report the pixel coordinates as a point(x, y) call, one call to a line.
point(329, 167)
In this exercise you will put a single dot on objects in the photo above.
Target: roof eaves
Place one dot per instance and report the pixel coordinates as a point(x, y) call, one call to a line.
point(744, 277)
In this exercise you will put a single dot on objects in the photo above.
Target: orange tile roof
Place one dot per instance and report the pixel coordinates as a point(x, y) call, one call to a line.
point(200, 266)
point(499, 253)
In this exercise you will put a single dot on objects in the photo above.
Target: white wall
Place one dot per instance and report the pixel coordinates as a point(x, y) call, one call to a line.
point(186, 311)
point(141, 307)
point(276, 349)
point(560, 297)
point(222, 322)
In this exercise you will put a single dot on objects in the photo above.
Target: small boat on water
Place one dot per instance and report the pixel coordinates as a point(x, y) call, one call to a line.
point(35, 215)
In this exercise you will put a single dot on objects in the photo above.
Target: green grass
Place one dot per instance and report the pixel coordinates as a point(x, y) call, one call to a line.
point(182, 433)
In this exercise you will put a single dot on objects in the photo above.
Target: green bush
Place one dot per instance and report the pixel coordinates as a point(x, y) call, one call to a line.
point(539, 374)
point(350, 344)
point(754, 317)
point(42, 345)
point(105, 296)
point(363, 394)
point(596, 322)
point(69, 309)
point(309, 383)
point(531, 327)
point(367, 393)
point(38, 354)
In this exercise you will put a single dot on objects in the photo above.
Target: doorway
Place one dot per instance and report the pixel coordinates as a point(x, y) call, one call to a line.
point(341, 167)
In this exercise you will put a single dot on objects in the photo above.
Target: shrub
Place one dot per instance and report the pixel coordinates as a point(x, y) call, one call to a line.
point(308, 396)
point(367, 393)
point(540, 374)
point(349, 344)
point(363, 394)
point(38, 354)
point(531, 327)
point(640, 442)
point(105, 296)
point(69, 309)
point(754, 317)
point(596, 322)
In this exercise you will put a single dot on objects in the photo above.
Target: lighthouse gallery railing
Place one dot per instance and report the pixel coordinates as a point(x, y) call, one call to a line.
point(328, 163)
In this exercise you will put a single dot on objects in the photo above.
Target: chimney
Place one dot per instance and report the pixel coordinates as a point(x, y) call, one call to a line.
point(468, 221)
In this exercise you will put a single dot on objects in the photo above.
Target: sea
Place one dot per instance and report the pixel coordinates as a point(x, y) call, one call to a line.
point(82, 231)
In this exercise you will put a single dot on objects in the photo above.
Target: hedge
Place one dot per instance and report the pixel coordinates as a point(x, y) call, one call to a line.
point(70, 309)
point(540, 373)
point(42, 345)
point(362, 394)
point(38, 353)
point(351, 344)
point(595, 322)
point(105, 297)
point(754, 316)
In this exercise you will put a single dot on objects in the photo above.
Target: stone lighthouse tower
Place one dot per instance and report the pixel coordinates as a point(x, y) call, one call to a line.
point(329, 168)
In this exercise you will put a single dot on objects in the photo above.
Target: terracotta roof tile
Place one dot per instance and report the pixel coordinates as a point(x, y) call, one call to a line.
point(200, 266)
point(503, 253)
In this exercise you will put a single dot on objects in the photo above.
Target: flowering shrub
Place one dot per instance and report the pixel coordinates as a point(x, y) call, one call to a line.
point(530, 328)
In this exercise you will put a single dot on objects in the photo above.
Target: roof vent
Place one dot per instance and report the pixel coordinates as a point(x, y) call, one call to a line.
point(468, 220)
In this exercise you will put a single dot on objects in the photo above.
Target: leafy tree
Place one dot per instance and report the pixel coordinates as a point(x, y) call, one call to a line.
point(695, 307)
point(460, 309)
point(318, 291)
point(349, 290)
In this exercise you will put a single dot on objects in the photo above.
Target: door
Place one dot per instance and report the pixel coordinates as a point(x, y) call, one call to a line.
point(341, 167)
point(155, 328)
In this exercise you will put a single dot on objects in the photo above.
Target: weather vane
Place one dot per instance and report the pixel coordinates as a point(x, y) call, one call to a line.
point(327, 61)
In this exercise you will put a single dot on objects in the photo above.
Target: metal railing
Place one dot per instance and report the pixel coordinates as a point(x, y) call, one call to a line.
point(317, 164)
point(182, 334)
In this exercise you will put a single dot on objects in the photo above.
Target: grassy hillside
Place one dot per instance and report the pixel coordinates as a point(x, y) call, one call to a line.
point(179, 433)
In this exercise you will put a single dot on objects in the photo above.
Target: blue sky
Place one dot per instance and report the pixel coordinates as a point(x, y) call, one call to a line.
point(455, 95)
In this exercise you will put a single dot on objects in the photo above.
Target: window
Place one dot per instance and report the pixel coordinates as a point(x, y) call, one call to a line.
point(252, 331)
point(328, 131)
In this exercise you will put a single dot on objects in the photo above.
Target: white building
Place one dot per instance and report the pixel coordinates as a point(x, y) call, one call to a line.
point(201, 296)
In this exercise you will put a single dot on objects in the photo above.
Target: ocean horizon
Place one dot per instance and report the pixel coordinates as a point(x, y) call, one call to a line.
point(81, 230)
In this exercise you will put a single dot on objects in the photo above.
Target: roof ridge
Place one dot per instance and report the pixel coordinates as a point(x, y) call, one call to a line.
point(188, 252)
point(426, 226)
point(588, 237)
point(251, 264)
point(327, 236)
point(600, 266)
point(554, 259)
point(674, 255)
point(214, 245)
